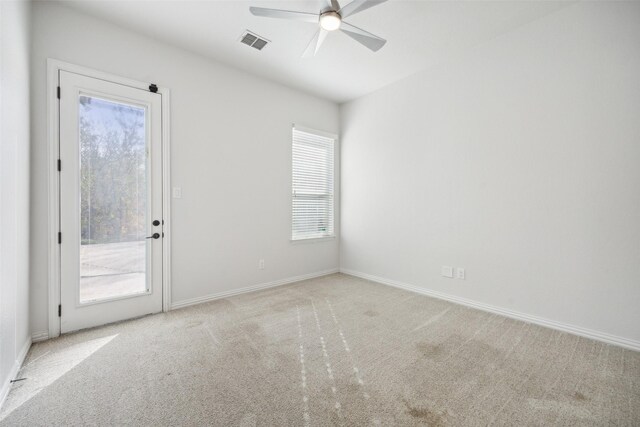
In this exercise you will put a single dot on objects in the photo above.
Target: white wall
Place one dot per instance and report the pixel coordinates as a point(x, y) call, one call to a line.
point(231, 139)
point(14, 188)
point(519, 161)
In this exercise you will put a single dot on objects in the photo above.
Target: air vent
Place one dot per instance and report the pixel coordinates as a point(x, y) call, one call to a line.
point(253, 40)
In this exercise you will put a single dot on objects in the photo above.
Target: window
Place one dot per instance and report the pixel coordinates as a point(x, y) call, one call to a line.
point(312, 189)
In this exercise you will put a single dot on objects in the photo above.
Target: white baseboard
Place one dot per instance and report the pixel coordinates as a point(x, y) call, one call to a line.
point(6, 385)
point(576, 330)
point(226, 294)
point(39, 336)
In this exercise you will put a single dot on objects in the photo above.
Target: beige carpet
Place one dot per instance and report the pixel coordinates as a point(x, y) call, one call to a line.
point(330, 351)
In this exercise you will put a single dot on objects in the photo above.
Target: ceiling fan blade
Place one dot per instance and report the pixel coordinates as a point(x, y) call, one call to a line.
point(358, 6)
point(363, 37)
point(334, 5)
point(315, 43)
point(284, 14)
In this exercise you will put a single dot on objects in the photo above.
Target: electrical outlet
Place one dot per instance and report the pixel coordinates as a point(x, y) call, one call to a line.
point(261, 264)
point(447, 271)
point(460, 273)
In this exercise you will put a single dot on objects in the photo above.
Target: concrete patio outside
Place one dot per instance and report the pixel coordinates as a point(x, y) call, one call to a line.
point(111, 270)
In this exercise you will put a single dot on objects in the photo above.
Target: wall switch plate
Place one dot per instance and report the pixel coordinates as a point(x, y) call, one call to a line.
point(460, 273)
point(261, 264)
point(447, 271)
point(177, 193)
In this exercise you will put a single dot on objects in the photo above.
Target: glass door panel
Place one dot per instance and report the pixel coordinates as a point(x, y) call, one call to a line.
point(113, 199)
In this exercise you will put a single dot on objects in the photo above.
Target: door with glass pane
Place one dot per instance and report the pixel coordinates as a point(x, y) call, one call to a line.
point(110, 202)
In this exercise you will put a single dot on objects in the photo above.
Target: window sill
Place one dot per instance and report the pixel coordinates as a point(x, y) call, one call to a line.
point(312, 240)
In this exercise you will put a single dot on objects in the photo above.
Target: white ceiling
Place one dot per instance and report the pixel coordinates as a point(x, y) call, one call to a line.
point(420, 34)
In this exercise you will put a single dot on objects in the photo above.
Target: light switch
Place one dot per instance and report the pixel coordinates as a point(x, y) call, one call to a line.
point(447, 271)
point(177, 193)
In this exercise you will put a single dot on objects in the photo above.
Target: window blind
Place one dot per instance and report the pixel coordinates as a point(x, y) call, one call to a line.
point(312, 192)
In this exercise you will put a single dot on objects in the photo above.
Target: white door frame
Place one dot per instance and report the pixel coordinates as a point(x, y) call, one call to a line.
point(53, 146)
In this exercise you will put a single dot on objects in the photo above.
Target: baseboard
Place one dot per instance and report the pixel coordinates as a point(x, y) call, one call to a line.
point(575, 330)
point(39, 336)
point(6, 385)
point(226, 294)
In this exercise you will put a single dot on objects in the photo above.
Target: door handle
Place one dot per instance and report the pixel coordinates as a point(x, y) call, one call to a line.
point(154, 236)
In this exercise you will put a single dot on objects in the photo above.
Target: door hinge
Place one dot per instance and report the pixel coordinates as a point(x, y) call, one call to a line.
point(59, 310)
point(59, 237)
point(153, 88)
point(59, 165)
point(58, 92)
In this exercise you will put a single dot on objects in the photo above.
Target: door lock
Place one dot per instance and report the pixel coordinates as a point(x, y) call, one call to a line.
point(154, 236)
point(156, 222)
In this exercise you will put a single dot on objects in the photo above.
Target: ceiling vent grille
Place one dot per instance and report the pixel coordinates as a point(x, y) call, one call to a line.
point(253, 40)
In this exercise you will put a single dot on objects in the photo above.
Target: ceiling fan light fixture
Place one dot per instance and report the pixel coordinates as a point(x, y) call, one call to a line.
point(330, 21)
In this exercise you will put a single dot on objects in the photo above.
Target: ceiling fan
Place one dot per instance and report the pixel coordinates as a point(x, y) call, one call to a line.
point(329, 19)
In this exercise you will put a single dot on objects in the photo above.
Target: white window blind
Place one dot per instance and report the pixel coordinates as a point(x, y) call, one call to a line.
point(312, 196)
